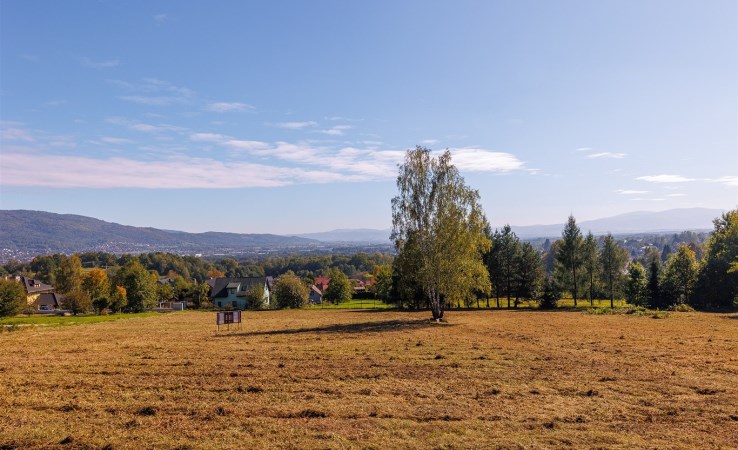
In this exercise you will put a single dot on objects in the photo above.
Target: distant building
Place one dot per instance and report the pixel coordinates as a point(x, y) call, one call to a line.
point(230, 292)
point(316, 296)
point(48, 301)
point(34, 288)
point(322, 282)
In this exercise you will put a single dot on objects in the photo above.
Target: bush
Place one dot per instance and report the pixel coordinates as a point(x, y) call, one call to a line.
point(12, 298)
point(681, 307)
point(290, 291)
point(550, 294)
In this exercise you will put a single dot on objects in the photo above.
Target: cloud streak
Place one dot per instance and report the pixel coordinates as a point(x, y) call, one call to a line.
point(338, 130)
point(250, 164)
point(665, 178)
point(607, 155)
point(61, 171)
point(295, 125)
point(223, 107)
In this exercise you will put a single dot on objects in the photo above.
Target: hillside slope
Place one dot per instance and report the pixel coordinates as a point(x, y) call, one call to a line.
point(45, 232)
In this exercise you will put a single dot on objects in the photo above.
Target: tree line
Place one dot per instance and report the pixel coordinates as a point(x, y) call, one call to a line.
point(448, 255)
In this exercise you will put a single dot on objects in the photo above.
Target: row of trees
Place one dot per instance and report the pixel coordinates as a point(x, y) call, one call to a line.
point(448, 254)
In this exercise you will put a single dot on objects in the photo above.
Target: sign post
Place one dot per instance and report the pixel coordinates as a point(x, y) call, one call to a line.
point(227, 318)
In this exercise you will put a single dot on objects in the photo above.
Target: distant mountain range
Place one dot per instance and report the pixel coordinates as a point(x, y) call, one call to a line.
point(43, 232)
point(367, 235)
point(37, 232)
point(673, 220)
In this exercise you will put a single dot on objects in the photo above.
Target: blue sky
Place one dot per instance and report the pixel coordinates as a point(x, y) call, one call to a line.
point(287, 117)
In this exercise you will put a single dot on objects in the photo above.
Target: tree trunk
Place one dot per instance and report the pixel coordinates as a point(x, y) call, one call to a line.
point(436, 306)
point(574, 294)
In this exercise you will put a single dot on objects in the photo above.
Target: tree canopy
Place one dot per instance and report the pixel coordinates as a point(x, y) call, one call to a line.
point(438, 230)
point(12, 298)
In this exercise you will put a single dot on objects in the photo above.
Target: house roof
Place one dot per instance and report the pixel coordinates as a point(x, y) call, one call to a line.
point(221, 285)
point(49, 298)
point(34, 286)
point(316, 290)
point(322, 280)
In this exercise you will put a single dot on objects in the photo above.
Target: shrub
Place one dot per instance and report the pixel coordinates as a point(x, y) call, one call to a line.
point(550, 294)
point(12, 298)
point(681, 307)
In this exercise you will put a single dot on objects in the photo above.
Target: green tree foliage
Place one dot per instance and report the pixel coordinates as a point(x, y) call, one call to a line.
point(550, 293)
point(590, 264)
point(491, 261)
point(118, 299)
point(653, 287)
point(508, 256)
point(200, 294)
point(164, 292)
point(717, 284)
point(613, 259)
point(569, 258)
point(44, 267)
point(68, 274)
point(382, 286)
point(529, 272)
point(96, 286)
point(438, 230)
point(680, 276)
point(140, 286)
point(339, 289)
point(636, 286)
point(12, 298)
point(77, 301)
point(290, 291)
point(255, 297)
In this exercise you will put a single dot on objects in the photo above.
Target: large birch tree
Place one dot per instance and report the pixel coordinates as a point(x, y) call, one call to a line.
point(438, 230)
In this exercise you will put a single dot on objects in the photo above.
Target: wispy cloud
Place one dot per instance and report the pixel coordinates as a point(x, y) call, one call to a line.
point(608, 155)
point(115, 140)
point(153, 100)
point(727, 181)
point(676, 195)
point(160, 18)
point(479, 160)
point(222, 107)
point(14, 131)
point(247, 146)
point(143, 127)
point(337, 130)
point(665, 179)
point(631, 192)
point(429, 141)
point(295, 125)
point(208, 137)
point(584, 149)
point(100, 64)
point(61, 171)
point(153, 92)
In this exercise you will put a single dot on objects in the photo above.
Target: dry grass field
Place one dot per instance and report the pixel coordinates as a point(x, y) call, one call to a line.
point(367, 379)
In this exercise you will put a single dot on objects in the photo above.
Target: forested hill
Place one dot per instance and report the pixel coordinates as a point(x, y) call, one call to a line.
point(41, 232)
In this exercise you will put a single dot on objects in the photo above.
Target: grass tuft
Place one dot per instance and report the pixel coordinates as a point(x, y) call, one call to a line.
point(146, 411)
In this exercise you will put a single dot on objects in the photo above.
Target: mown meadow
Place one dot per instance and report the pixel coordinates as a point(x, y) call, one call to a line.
point(374, 379)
